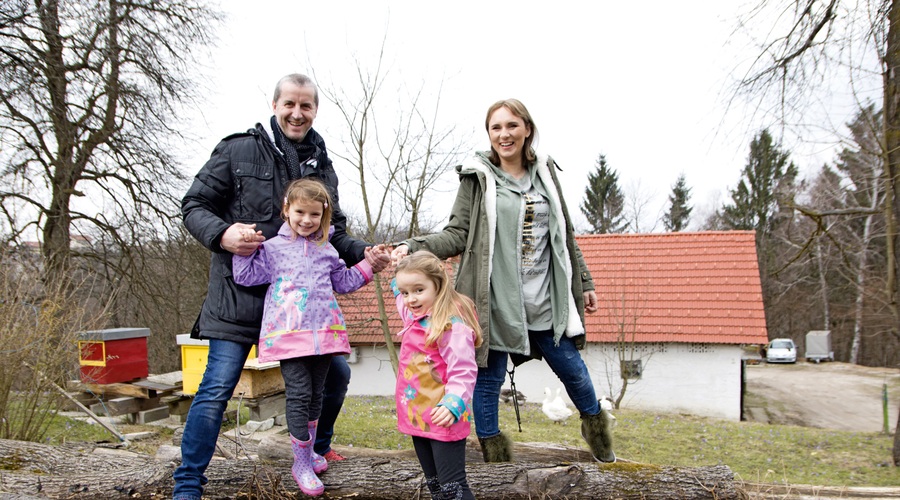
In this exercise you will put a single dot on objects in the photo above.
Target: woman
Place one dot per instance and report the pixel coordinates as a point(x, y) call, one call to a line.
point(520, 264)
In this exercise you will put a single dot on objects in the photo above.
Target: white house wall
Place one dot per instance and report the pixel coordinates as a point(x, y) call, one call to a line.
point(371, 373)
point(697, 379)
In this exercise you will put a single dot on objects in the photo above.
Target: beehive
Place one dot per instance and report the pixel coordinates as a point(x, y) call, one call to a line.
point(194, 354)
point(113, 355)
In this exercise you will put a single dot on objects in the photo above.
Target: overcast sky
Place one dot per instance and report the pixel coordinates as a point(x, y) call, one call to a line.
point(644, 83)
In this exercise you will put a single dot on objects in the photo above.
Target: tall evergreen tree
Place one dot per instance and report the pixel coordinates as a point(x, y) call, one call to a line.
point(760, 202)
point(863, 166)
point(767, 174)
point(603, 200)
point(679, 214)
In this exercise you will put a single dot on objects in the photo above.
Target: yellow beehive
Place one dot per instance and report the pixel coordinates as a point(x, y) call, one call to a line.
point(194, 354)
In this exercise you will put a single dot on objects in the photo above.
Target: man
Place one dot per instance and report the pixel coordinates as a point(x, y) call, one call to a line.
point(241, 187)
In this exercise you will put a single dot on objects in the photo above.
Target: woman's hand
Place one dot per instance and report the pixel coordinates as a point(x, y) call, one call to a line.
point(590, 302)
point(399, 253)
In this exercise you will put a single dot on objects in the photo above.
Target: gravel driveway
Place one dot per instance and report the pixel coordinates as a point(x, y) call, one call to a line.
point(829, 395)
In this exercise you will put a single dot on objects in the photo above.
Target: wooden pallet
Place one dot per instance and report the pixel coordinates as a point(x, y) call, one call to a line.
point(141, 398)
point(140, 388)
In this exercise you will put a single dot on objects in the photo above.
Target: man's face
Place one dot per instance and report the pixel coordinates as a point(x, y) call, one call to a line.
point(295, 110)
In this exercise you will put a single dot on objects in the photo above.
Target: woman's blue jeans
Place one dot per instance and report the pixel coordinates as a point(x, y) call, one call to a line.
point(564, 360)
point(198, 443)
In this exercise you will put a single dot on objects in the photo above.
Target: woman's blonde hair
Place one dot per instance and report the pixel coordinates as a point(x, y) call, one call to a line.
point(448, 303)
point(309, 190)
point(515, 107)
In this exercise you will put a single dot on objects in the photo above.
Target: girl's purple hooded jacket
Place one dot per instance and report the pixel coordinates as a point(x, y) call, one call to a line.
point(301, 315)
point(432, 376)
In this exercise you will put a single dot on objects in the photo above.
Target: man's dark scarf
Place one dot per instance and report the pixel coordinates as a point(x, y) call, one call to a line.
point(298, 155)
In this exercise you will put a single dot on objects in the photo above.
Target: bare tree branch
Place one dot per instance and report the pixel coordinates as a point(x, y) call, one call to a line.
point(89, 106)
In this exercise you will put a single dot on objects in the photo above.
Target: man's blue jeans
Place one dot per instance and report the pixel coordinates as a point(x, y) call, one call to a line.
point(336, 383)
point(564, 360)
point(198, 443)
point(223, 370)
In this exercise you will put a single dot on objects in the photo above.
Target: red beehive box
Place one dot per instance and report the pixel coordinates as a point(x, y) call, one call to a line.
point(114, 355)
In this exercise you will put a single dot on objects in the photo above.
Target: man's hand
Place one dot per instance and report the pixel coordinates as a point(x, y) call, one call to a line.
point(241, 239)
point(442, 417)
point(378, 257)
point(590, 302)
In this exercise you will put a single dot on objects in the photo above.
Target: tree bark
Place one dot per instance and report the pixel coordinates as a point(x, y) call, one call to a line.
point(75, 471)
point(892, 147)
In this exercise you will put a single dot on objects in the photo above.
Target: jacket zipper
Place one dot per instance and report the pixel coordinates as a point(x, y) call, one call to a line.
point(313, 329)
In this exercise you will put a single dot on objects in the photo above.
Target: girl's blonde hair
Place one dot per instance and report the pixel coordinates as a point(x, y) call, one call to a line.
point(309, 190)
point(448, 303)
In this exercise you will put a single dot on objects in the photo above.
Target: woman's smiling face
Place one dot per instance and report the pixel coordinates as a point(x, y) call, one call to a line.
point(508, 132)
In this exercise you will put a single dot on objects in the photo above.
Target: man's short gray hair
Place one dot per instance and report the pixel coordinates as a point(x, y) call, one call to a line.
point(299, 80)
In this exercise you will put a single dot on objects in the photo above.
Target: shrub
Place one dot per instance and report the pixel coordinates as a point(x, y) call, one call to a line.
point(39, 324)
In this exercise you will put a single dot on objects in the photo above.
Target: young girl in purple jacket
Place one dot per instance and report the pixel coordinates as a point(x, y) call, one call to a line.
point(437, 371)
point(302, 325)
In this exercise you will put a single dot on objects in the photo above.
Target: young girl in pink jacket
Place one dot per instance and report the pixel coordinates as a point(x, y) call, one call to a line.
point(302, 325)
point(437, 371)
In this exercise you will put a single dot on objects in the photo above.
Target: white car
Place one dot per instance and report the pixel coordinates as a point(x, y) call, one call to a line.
point(781, 351)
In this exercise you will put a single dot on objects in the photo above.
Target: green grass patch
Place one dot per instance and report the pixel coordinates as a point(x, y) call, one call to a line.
point(755, 452)
point(370, 422)
point(63, 429)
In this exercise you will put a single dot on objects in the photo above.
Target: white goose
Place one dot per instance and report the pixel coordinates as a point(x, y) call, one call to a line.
point(607, 405)
point(555, 409)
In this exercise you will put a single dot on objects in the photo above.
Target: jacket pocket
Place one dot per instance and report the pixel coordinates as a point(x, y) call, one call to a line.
point(254, 191)
point(240, 305)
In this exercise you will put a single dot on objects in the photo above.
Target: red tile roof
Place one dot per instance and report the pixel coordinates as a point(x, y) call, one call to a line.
point(673, 287)
point(699, 287)
point(361, 312)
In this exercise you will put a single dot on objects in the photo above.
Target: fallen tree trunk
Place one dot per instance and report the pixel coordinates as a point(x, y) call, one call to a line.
point(278, 447)
point(79, 471)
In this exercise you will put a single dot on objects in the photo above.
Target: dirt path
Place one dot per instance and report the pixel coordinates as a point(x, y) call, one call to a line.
point(826, 395)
